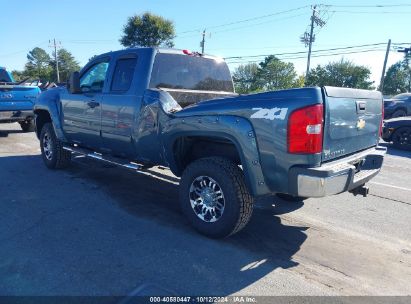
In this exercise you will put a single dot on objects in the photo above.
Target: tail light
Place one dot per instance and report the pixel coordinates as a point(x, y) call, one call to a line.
point(305, 130)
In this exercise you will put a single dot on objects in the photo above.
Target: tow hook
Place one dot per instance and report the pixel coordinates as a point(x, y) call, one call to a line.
point(360, 190)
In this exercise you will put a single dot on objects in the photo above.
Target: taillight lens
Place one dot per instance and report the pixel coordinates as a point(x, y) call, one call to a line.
point(305, 130)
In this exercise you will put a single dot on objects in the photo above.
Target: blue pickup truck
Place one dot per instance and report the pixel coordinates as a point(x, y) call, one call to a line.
point(144, 107)
point(16, 101)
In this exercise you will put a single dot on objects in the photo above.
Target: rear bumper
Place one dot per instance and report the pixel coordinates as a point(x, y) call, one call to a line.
point(338, 176)
point(14, 116)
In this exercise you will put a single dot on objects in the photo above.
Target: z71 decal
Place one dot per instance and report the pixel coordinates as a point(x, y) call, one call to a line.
point(271, 114)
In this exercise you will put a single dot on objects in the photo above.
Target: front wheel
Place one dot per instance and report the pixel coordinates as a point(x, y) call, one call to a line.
point(402, 138)
point(54, 156)
point(214, 197)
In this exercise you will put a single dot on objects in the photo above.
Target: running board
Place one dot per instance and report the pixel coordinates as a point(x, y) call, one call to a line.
point(108, 159)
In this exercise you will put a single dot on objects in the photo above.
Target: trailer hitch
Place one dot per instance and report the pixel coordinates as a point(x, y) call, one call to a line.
point(360, 190)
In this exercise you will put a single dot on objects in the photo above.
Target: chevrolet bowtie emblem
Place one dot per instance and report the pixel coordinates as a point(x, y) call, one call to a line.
point(360, 124)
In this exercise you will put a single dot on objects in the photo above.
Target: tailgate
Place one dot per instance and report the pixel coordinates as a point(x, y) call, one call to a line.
point(352, 121)
point(17, 97)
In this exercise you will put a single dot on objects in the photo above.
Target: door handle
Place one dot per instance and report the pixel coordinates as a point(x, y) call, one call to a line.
point(92, 104)
point(361, 106)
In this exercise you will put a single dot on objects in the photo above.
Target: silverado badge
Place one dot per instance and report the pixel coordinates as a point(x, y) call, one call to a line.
point(360, 124)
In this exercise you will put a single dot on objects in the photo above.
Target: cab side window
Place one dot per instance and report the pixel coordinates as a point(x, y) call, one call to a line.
point(93, 79)
point(123, 74)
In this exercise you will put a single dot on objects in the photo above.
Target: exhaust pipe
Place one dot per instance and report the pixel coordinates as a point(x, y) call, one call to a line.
point(360, 190)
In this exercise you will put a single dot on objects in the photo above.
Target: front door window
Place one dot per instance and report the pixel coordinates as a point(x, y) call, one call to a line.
point(92, 81)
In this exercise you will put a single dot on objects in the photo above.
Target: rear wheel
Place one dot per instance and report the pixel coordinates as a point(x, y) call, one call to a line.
point(27, 125)
point(402, 138)
point(214, 197)
point(399, 113)
point(54, 156)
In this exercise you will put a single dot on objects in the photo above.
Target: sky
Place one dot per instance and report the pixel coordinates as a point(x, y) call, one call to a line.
point(233, 29)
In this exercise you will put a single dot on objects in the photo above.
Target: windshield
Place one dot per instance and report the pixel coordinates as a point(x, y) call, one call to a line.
point(174, 71)
point(5, 76)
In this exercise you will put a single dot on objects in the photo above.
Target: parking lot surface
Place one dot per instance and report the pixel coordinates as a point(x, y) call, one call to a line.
point(95, 229)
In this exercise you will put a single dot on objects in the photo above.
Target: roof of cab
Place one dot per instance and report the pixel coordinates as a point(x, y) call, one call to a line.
point(159, 50)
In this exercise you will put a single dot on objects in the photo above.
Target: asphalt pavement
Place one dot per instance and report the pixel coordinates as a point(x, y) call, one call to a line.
point(95, 229)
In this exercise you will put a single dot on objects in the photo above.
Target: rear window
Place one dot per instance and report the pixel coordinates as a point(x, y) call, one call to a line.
point(174, 71)
point(123, 74)
point(4, 76)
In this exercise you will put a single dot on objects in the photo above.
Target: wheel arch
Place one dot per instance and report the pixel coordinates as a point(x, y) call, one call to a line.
point(41, 118)
point(185, 148)
point(188, 148)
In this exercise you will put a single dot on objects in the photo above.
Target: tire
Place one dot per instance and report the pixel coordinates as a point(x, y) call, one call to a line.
point(399, 113)
point(290, 198)
point(402, 138)
point(217, 185)
point(27, 126)
point(52, 152)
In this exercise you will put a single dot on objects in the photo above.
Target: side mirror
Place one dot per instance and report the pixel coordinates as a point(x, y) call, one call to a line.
point(74, 83)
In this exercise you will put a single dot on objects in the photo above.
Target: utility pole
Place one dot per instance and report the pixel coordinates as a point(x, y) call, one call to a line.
point(56, 45)
point(202, 43)
point(385, 65)
point(311, 40)
point(308, 37)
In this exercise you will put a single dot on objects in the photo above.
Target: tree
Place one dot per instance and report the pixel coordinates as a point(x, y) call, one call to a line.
point(148, 30)
point(396, 79)
point(271, 74)
point(299, 82)
point(244, 78)
point(38, 64)
point(342, 73)
point(275, 74)
point(67, 65)
point(18, 75)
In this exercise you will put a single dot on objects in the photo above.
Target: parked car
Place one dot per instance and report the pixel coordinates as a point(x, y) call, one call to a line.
point(398, 131)
point(398, 106)
point(16, 101)
point(143, 107)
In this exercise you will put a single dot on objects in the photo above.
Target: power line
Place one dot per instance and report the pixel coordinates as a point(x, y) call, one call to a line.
point(295, 46)
point(371, 6)
point(296, 56)
point(23, 51)
point(369, 12)
point(90, 41)
point(314, 55)
point(341, 53)
point(315, 51)
point(260, 23)
point(244, 20)
point(260, 17)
